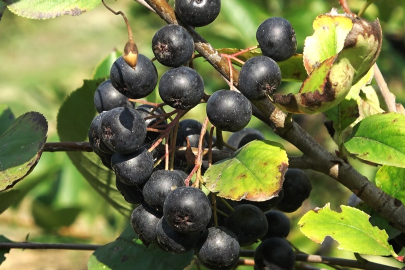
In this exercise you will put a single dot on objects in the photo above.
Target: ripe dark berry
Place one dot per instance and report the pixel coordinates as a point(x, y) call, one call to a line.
point(274, 253)
point(123, 130)
point(144, 221)
point(278, 225)
point(197, 13)
point(133, 168)
point(132, 194)
point(107, 97)
point(297, 188)
point(244, 136)
point(104, 157)
point(172, 45)
point(229, 110)
point(190, 130)
point(276, 38)
point(159, 186)
point(181, 88)
point(259, 77)
point(174, 241)
point(134, 83)
point(248, 223)
point(187, 210)
point(218, 248)
point(95, 136)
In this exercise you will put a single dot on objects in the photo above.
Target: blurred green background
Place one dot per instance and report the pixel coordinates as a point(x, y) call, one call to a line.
point(43, 61)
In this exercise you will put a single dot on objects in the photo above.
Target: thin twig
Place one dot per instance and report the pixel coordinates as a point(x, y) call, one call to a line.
point(67, 146)
point(143, 3)
point(388, 97)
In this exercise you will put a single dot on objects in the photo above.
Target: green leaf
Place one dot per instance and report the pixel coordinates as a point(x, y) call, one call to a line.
point(255, 172)
point(20, 148)
point(391, 180)
point(74, 127)
point(245, 17)
point(6, 118)
point(39, 9)
point(292, 69)
point(350, 228)
point(4, 250)
point(330, 32)
point(128, 253)
point(7, 198)
point(103, 68)
point(380, 139)
point(60, 217)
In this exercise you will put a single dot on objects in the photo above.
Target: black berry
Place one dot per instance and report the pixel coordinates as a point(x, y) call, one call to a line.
point(107, 97)
point(146, 111)
point(278, 225)
point(132, 194)
point(229, 110)
point(181, 88)
point(95, 136)
point(297, 188)
point(244, 136)
point(159, 186)
point(276, 38)
point(134, 83)
point(144, 221)
point(197, 13)
point(218, 248)
point(259, 77)
point(172, 45)
point(274, 253)
point(134, 168)
point(123, 130)
point(190, 130)
point(173, 241)
point(187, 210)
point(248, 223)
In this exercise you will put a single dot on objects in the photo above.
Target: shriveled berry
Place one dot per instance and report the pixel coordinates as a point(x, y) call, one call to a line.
point(123, 130)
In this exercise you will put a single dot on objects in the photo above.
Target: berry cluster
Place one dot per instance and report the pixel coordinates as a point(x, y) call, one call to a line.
point(172, 214)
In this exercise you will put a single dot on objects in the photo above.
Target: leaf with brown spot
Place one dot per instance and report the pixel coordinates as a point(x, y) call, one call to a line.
point(243, 175)
point(39, 9)
point(20, 148)
point(336, 59)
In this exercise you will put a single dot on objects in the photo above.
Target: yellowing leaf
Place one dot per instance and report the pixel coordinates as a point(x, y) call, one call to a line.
point(350, 228)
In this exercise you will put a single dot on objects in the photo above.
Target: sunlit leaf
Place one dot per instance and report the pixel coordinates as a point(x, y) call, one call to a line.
point(20, 148)
point(255, 172)
point(126, 253)
point(39, 9)
point(392, 181)
point(350, 228)
point(102, 70)
point(380, 139)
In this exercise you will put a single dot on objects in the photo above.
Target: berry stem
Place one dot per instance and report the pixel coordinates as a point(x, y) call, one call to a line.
point(173, 145)
point(227, 204)
point(67, 146)
point(167, 152)
point(364, 7)
point(214, 207)
point(210, 146)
